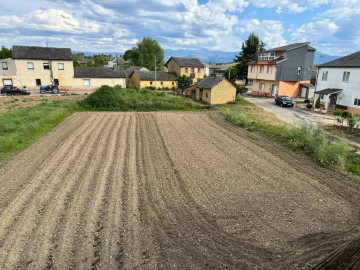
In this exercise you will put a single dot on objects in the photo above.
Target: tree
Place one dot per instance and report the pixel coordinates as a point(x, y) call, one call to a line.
point(146, 53)
point(5, 53)
point(231, 74)
point(247, 54)
point(183, 82)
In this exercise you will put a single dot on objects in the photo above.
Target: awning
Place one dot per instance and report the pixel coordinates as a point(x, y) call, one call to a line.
point(307, 85)
point(328, 91)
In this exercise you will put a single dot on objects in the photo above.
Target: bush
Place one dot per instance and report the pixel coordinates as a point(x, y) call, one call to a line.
point(306, 101)
point(129, 99)
point(309, 106)
point(241, 89)
point(317, 103)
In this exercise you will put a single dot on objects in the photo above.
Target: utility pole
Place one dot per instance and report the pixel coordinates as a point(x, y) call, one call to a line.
point(155, 72)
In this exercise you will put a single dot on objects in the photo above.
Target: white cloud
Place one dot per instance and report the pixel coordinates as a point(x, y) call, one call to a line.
point(289, 6)
point(269, 31)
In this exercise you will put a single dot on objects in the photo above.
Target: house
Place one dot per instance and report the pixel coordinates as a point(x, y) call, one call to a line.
point(130, 70)
point(156, 79)
point(213, 68)
point(32, 66)
point(117, 63)
point(91, 78)
point(338, 83)
point(214, 90)
point(282, 70)
point(191, 67)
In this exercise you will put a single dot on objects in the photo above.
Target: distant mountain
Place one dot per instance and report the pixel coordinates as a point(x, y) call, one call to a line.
point(321, 58)
point(216, 56)
point(203, 54)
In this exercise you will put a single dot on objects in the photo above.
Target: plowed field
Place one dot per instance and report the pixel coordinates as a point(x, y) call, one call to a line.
point(168, 191)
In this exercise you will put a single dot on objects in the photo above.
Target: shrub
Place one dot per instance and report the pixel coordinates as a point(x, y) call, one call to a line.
point(309, 106)
point(306, 101)
point(241, 89)
point(317, 103)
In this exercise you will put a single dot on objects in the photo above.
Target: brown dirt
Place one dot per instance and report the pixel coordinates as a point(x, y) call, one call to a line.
point(169, 191)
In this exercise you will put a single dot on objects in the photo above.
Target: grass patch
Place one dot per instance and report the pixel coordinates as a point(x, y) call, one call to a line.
point(22, 126)
point(311, 141)
point(118, 99)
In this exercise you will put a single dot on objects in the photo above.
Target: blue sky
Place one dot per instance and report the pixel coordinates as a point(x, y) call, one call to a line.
point(331, 26)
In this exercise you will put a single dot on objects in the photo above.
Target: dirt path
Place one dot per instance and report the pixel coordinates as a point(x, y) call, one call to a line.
point(168, 191)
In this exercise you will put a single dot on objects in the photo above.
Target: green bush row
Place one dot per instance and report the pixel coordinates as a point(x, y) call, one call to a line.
point(311, 141)
point(119, 99)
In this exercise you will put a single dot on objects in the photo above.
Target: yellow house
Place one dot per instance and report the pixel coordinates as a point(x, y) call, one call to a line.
point(191, 67)
point(214, 90)
point(91, 78)
point(34, 66)
point(158, 79)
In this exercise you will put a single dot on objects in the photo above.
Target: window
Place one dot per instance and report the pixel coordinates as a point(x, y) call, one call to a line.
point(86, 82)
point(60, 66)
point(299, 70)
point(324, 76)
point(56, 81)
point(262, 86)
point(186, 70)
point(199, 70)
point(269, 70)
point(161, 83)
point(346, 76)
point(357, 102)
point(261, 69)
point(46, 65)
point(7, 82)
point(206, 94)
point(38, 82)
point(30, 65)
point(192, 70)
point(252, 69)
point(173, 83)
point(322, 96)
point(151, 83)
point(4, 65)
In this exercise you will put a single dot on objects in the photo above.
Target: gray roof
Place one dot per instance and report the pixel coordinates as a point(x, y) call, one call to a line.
point(352, 60)
point(130, 70)
point(209, 82)
point(308, 85)
point(290, 47)
point(44, 53)
point(98, 72)
point(186, 62)
point(328, 91)
point(150, 75)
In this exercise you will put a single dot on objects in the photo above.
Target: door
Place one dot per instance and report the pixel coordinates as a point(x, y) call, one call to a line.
point(274, 90)
point(333, 99)
point(304, 92)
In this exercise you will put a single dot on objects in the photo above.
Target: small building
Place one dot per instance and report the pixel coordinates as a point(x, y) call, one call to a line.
point(191, 67)
point(282, 70)
point(156, 79)
point(214, 90)
point(91, 78)
point(33, 66)
point(338, 83)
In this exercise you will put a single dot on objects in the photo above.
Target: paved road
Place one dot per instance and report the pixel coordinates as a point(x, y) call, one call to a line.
point(290, 115)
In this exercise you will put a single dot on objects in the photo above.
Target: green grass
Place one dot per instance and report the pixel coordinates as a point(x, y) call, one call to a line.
point(22, 126)
point(310, 141)
point(118, 99)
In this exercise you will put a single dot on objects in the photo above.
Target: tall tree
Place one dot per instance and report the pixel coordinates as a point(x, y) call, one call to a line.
point(231, 74)
point(183, 82)
point(247, 54)
point(146, 53)
point(5, 53)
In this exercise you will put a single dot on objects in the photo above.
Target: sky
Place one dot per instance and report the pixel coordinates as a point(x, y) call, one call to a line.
point(331, 26)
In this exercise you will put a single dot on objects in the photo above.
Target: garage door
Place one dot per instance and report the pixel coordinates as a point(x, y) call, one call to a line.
point(7, 82)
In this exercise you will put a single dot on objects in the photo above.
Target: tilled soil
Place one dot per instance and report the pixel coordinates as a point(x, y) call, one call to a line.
point(169, 191)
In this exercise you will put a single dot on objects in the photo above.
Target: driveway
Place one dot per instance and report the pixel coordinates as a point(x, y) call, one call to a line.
point(290, 115)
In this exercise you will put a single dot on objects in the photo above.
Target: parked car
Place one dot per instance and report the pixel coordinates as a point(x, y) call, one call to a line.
point(284, 101)
point(13, 90)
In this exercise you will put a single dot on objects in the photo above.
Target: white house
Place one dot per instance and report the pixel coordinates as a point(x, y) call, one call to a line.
point(338, 83)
